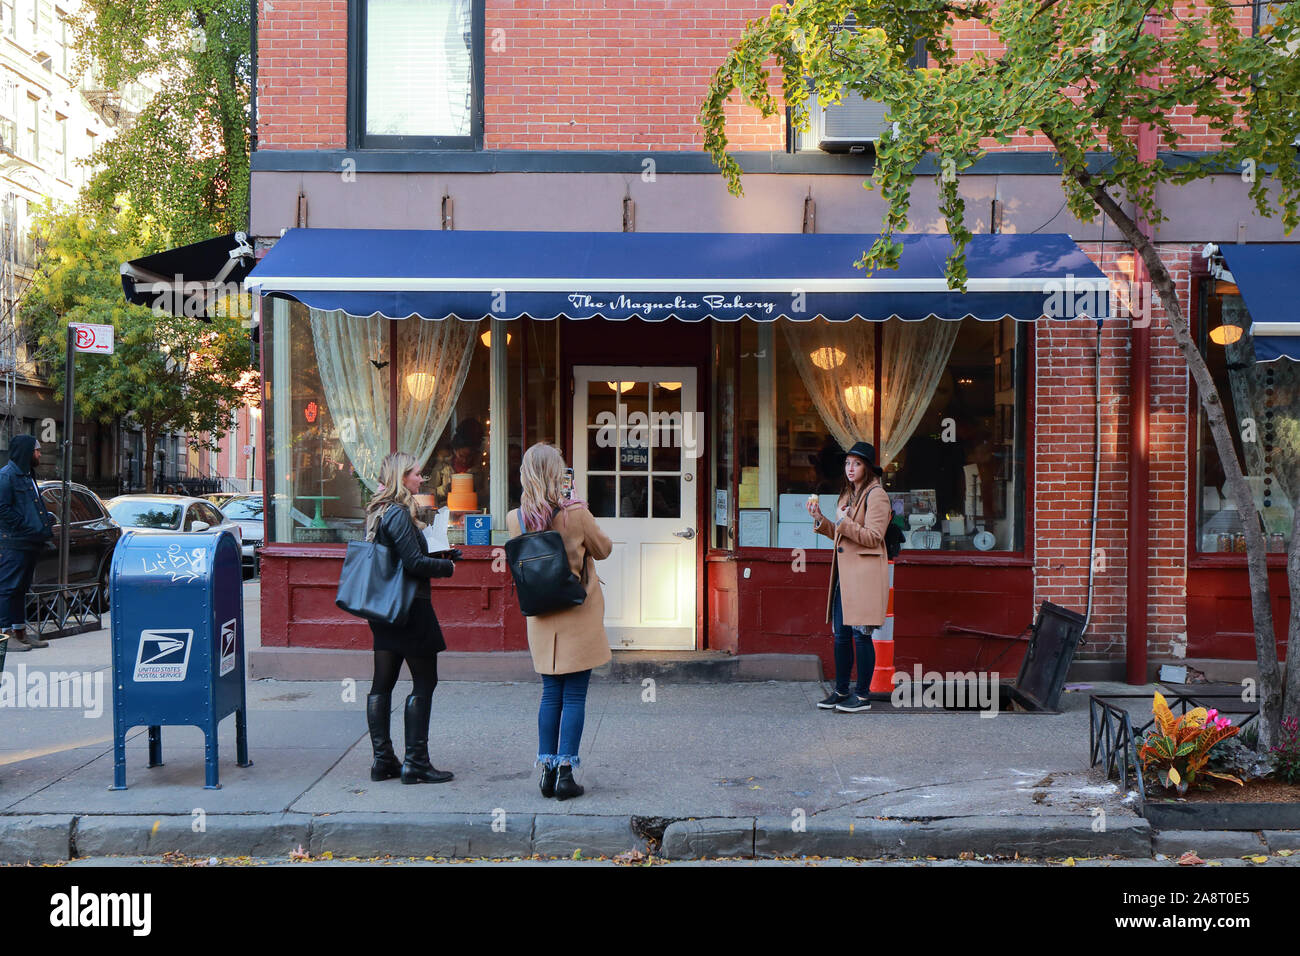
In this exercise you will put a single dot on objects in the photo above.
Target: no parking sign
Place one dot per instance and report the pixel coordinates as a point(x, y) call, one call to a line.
point(92, 338)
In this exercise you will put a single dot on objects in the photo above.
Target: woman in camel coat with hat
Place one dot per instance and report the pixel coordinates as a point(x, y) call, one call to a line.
point(565, 644)
point(858, 594)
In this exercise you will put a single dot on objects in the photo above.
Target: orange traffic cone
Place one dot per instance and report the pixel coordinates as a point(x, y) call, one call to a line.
point(882, 678)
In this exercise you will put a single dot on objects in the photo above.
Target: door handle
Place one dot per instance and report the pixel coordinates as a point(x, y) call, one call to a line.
point(686, 533)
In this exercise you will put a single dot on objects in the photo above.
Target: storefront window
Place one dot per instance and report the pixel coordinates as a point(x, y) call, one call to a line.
point(1262, 405)
point(332, 377)
point(955, 462)
point(531, 394)
point(949, 428)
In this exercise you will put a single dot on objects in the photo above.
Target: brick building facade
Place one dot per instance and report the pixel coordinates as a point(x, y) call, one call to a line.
point(584, 120)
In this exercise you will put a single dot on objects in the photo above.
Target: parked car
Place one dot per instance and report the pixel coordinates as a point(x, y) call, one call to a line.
point(220, 498)
point(92, 536)
point(167, 514)
point(246, 511)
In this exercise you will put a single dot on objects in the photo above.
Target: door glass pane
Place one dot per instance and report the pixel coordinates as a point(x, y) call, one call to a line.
point(633, 454)
point(599, 399)
point(666, 455)
point(636, 399)
point(668, 397)
point(667, 501)
point(598, 458)
point(632, 497)
point(600, 495)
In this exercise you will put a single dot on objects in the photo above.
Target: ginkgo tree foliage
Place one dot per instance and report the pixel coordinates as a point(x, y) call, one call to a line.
point(184, 161)
point(1085, 75)
point(167, 373)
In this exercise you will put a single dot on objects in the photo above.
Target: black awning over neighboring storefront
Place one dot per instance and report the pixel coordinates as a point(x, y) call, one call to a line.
point(189, 280)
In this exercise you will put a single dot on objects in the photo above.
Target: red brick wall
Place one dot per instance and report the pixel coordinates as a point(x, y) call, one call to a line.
point(559, 74)
point(1063, 457)
point(302, 74)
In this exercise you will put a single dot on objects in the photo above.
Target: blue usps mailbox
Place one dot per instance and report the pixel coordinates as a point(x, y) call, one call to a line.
point(178, 642)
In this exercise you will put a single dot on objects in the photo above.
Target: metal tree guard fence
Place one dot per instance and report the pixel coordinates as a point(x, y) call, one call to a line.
point(54, 611)
point(1113, 741)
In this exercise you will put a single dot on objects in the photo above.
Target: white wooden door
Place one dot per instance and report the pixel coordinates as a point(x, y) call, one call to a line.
point(637, 439)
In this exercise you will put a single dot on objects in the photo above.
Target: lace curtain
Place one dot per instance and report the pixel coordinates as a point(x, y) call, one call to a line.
point(1258, 390)
point(433, 359)
point(836, 361)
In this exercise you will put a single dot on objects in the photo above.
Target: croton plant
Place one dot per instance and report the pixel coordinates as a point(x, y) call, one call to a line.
point(1178, 748)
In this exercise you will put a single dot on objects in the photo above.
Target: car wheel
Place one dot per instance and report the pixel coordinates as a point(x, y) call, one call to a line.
point(103, 588)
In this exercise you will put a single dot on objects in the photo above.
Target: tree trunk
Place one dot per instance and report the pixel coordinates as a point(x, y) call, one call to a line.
point(146, 466)
point(1270, 685)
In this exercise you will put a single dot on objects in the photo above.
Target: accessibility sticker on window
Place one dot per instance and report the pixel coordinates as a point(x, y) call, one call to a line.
point(164, 655)
point(227, 648)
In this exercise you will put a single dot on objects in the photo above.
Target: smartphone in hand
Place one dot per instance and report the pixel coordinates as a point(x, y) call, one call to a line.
point(568, 483)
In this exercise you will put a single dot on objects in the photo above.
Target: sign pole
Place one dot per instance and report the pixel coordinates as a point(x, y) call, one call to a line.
point(69, 389)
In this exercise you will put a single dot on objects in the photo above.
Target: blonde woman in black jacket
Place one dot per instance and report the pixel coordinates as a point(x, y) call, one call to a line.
point(390, 516)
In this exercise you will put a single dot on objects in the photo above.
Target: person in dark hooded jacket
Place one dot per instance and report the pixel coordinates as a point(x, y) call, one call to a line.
point(25, 525)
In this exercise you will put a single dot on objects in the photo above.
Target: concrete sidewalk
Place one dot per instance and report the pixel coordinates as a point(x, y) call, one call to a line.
point(698, 770)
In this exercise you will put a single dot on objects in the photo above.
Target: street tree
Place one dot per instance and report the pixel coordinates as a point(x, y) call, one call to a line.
point(167, 373)
point(184, 161)
point(1085, 75)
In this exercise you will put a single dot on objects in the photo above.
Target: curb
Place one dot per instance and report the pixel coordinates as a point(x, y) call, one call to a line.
point(51, 838)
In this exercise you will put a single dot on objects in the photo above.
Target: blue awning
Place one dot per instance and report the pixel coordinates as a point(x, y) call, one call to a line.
point(691, 276)
point(1266, 275)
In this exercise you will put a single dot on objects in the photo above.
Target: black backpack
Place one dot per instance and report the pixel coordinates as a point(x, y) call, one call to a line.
point(539, 565)
point(893, 536)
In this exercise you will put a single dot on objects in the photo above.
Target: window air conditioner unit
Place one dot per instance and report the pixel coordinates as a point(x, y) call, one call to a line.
point(852, 125)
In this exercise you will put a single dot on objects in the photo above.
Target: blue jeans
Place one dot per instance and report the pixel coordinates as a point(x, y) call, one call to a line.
point(16, 571)
point(560, 718)
point(847, 637)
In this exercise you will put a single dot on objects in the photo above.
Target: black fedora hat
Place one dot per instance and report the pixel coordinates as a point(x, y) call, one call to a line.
point(867, 452)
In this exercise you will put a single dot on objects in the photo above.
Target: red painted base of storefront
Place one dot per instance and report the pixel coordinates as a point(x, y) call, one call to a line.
point(1219, 622)
point(757, 602)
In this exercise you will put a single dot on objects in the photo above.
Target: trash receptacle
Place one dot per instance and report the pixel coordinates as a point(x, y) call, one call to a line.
point(178, 641)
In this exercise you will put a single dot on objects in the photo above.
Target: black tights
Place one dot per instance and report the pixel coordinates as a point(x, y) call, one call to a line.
point(388, 664)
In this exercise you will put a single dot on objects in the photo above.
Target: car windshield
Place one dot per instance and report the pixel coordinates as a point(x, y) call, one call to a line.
point(244, 509)
point(146, 514)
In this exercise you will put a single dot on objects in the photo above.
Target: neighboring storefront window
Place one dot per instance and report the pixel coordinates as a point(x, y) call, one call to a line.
point(949, 429)
point(1262, 405)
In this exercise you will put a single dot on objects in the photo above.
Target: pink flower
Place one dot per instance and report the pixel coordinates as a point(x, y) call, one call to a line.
point(1211, 714)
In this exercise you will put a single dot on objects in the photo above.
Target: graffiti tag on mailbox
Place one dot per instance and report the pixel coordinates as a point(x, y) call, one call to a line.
point(180, 564)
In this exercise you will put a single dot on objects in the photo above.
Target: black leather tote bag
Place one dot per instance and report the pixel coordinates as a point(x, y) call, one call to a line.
point(372, 585)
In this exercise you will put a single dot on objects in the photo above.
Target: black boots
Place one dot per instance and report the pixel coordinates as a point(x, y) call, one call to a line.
point(416, 768)
point(547, 783)
point(386, 765)
point(565, 786)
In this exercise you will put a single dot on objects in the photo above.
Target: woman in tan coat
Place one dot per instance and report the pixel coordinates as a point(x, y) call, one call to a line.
point(858, 594)
point(565, 644)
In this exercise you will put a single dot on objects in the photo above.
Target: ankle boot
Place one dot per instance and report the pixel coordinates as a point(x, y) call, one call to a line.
point(386, 765)
point(565, 786)
point(416, 768)
point(16, 646)
point(547, 783)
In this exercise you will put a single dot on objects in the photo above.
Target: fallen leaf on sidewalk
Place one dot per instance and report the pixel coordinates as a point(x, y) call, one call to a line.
point(1190, 859)
point(1069, 861)
point(1258, 859)
point(1284, 852)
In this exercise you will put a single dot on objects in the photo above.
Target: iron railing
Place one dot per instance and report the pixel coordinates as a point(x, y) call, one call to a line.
point(54, 611)
point(1113, 740)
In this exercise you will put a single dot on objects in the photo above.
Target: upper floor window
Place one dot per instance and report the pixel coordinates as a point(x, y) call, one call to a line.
point(417, 73)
